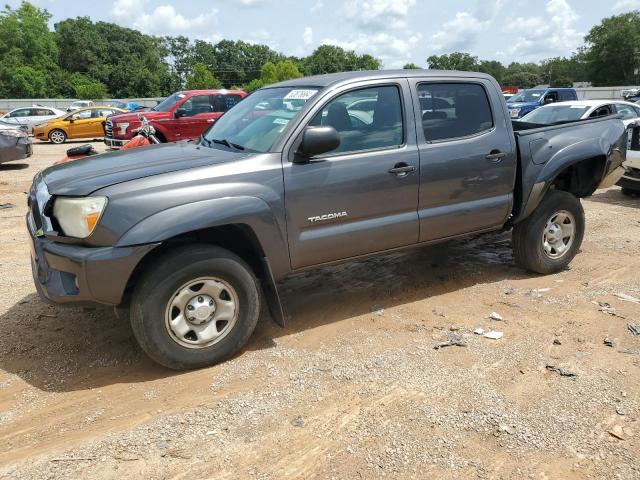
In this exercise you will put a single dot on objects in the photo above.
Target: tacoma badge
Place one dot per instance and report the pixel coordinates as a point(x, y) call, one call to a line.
point(327, 216)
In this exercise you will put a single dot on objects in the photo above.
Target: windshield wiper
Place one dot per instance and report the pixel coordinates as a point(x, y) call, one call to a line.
point(204, 140)
point(227, 143)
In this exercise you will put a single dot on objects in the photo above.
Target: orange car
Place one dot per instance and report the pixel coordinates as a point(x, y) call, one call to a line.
point(83, 123)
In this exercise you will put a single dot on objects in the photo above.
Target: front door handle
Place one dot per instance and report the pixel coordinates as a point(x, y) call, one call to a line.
point(495, 156)
point(402, 169)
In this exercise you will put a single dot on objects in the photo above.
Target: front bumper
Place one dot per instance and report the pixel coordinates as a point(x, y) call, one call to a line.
point(630, 180)
point(114, 143)
point(66, 273)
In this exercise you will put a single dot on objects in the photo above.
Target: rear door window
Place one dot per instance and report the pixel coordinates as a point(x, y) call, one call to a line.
point(454, 110)
point(627, 111)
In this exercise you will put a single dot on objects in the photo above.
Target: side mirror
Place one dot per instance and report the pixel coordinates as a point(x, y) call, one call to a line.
point(548, 100)
point(179, 112)
point(318, 140)
point(71, 119)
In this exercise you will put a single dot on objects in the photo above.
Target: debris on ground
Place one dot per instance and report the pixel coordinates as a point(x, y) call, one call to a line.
point(628, 298)
point(556, 341)
point(6, 205)
point(617, 432)
point(453, 340)
point(479, 331)
point(608, 342)
point(509, 291)
point(510, 429)
point(437, 313)
point(620, 410)
point(495, 316)
point(562, 371)
point(493, 335)
point(297, 421)
point(633, 328)
point(605, 307)
point(377, 310)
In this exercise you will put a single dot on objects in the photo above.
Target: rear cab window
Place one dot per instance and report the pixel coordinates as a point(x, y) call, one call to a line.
point(454, 110)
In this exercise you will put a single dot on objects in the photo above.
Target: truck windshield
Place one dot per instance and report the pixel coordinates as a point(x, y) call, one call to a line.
point(550, 114)
point(527, 96)
point(168, 102)
point(257, 122)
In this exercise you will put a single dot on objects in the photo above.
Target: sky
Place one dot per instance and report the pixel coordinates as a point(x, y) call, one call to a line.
point(394, 31)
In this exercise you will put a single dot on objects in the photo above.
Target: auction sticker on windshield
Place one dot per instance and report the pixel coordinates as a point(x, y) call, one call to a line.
point(300, 94)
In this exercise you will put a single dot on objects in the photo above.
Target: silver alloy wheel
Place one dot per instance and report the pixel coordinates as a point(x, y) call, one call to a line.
point(57, 136)
point(558, 234)
point(202, 312)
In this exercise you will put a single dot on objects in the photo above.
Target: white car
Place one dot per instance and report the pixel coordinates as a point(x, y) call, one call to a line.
point(571, 111)
point(28, 117)
point(78, 104)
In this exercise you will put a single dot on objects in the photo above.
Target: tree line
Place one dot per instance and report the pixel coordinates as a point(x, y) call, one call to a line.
point(85, 59)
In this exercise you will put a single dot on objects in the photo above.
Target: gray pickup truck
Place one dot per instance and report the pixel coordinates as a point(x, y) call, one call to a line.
point(192, 237)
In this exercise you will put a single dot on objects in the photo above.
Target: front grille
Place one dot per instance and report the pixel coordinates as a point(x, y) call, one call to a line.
point(108, 129)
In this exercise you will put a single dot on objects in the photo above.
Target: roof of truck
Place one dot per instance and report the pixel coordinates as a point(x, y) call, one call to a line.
point(348, 77)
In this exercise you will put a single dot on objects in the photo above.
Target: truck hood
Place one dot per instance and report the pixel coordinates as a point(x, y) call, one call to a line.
point(81, 177)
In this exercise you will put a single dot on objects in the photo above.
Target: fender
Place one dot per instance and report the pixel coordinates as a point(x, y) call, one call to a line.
point(543, 171)
point(162, 131)
point(251, 211)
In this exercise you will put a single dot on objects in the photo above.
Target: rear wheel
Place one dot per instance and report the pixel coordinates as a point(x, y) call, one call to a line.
point(57, 136)
point(550, 237)
point(198, 307)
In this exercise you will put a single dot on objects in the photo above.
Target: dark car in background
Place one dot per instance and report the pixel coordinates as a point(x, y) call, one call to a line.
point(527, 101)
point(14, 143)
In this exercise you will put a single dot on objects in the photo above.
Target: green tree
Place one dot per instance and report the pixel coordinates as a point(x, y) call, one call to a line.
point(613, 53)
point(453, 61)
point(28, 52)
point(180, 56)
point(493, 68)
point(411, 66)
point(238, 62)
point(523, 75)
point(331, 59)
point(201, 78)
point(85, 88)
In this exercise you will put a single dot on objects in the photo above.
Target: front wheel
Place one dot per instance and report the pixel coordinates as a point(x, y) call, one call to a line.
point(198, 307)
point(550, 237)
point(57, 136)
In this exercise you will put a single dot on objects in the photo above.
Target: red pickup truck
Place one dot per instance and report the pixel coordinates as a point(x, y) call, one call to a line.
point(181, 116)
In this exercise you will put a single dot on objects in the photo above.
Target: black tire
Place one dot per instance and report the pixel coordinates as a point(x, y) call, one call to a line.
point(629, 192)
point(528, 245)
point(157, 287)
point(57, 136)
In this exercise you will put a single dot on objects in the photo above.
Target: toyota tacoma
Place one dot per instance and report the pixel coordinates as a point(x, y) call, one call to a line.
point(191, 238)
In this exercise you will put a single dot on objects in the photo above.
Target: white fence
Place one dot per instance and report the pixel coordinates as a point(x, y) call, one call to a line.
point(61, 103)
point(601, 93)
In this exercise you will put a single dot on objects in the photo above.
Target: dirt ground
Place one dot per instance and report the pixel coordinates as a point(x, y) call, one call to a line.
point(352, 388)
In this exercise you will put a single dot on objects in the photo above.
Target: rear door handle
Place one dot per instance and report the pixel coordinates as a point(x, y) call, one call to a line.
point(495, 156)
point(402, 169)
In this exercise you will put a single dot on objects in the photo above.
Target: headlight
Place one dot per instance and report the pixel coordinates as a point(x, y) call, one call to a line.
point(78, 217)
point(14, 132)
